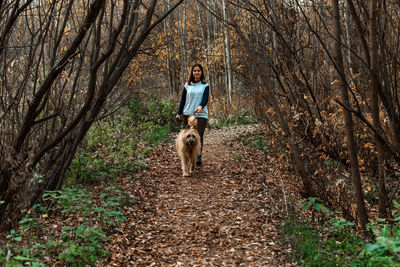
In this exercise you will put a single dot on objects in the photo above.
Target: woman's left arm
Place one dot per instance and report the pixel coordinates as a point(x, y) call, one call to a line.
point(204, 99)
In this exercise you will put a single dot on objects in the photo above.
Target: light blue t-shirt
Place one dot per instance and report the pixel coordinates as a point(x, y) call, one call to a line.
point(194, 97)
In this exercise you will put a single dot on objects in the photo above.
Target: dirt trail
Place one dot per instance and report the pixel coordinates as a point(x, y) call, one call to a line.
point(225, 215)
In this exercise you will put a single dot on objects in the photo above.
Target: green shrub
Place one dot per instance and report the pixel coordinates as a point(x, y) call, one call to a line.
point(86, 169)
point(256, 141)
point(114, 145)
point(81, 245)
point(159, 135)
point(387, 242)
point(337, 244)
point(75, 244)
point(159, 112)
point(245, 117)
point(162, 112)
point(260, 143)
point(121, 143)
point(241, 117)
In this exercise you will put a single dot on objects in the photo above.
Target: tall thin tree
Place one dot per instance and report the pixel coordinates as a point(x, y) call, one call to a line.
point(228, 61)
point(374, 73)
point(348, 120)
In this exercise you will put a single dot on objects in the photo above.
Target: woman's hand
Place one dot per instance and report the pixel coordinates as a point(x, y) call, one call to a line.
point(198, 109)
point(178, 117)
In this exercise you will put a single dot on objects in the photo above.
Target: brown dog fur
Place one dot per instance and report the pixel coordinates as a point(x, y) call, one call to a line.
point(188, 146)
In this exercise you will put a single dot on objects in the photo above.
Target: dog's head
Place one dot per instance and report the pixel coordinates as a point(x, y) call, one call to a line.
point(190, 138)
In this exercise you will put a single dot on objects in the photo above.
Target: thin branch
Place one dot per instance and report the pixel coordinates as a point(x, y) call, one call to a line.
point(372, 128)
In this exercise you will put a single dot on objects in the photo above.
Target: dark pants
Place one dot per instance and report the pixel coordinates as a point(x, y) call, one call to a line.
point(201, 127)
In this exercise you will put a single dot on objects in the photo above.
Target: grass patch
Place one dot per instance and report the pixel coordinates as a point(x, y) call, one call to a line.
point(259, 143)
point(159, 135)
point(335, 243)
point(256, 141)
point(241, 117)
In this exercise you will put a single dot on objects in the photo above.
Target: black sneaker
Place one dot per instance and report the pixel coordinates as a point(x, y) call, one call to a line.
point(198, 160)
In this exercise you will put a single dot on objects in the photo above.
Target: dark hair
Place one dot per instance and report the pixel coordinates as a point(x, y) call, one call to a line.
point(191, 77)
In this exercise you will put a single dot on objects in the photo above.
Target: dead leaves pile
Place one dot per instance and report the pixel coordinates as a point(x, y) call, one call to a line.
point(227, 214)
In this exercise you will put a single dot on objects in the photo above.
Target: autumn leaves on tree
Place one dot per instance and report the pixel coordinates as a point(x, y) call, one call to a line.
point(62, 62)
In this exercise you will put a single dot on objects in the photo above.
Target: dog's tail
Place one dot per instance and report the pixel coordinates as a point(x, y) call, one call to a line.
point(192, 122)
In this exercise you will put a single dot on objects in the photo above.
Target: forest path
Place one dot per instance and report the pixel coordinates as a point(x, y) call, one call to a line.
point(225, 215)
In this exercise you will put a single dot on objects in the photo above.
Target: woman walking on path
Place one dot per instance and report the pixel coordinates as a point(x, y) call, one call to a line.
point(194, 101)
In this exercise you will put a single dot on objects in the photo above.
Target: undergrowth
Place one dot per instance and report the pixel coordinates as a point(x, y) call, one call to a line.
point(70, 228)
point(121, 144)
point(336, 243)
point(327, 239)
point(256, 141)
point(241, 117)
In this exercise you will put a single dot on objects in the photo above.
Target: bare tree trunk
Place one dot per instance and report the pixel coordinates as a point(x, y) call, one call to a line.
point(384, 93)
point(299, 162)
point(39, 148)
point(182, 27)
point(214, 18)
point(13, 182)
point(271, 99)
point(205, 34)
point(314, 73)
point(174, 72)
point(374, 73)
point(355, 172)
point(326, 90)
point(228, 61)
point(167, 54)
point(349, 42)
point(210, 34)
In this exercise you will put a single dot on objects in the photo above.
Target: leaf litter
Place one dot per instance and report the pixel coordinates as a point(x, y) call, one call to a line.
point(227, 214)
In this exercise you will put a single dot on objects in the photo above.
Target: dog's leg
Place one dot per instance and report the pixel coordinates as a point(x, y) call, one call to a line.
point(192, 167)
point(192, 164)
point(185, 166)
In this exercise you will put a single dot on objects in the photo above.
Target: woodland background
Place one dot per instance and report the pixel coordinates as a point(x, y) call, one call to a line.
point(320, 76)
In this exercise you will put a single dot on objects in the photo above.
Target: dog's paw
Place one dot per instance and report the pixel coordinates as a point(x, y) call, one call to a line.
point(187, 175)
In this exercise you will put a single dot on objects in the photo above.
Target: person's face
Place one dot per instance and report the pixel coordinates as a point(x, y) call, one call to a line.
point(196, 73)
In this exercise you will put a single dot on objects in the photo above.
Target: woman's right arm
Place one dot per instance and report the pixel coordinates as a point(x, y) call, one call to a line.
point(182, 104)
